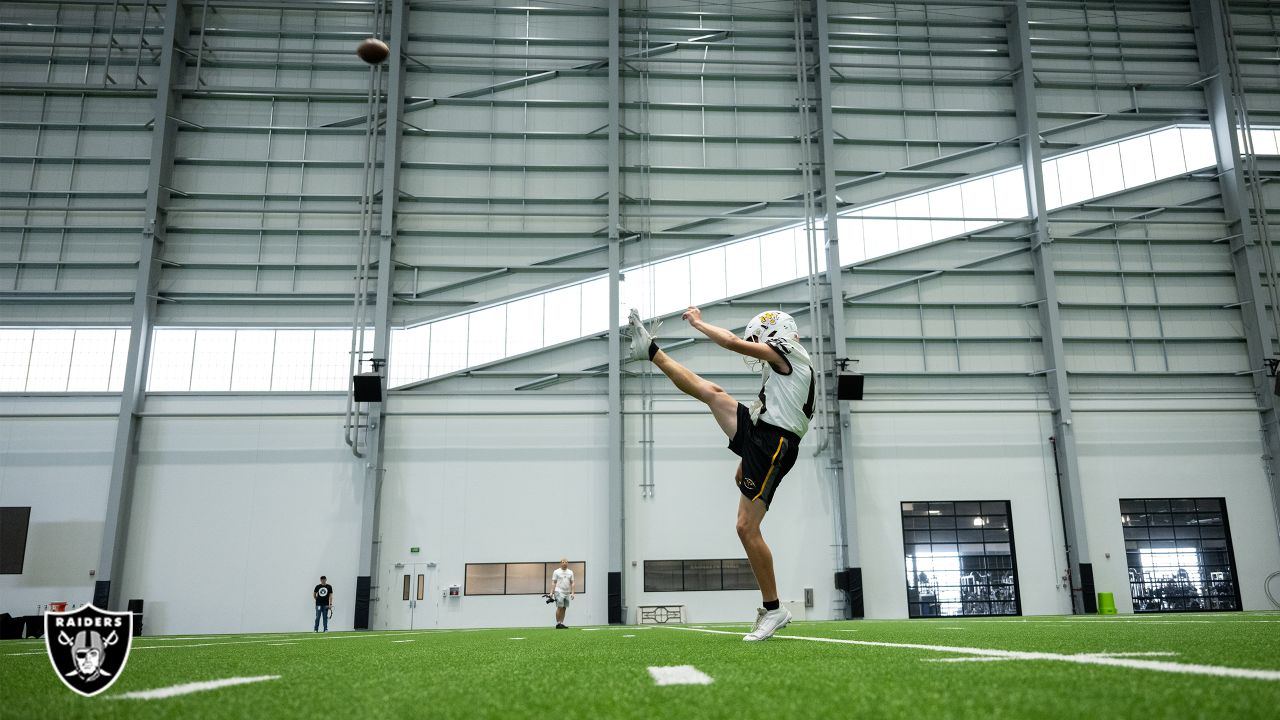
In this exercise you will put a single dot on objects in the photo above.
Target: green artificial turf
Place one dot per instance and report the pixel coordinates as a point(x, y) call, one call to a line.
point(594, 673)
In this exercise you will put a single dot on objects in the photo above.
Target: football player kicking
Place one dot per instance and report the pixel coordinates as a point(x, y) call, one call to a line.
point(766, 436)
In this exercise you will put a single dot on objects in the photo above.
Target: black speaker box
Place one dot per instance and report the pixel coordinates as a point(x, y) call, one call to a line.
point(368, 387)
point(363, 589)
point(849, 581)
point(849, 386)
point(615, 598)
point(135, 607)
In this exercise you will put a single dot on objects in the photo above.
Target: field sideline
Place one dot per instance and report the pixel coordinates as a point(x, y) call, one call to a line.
point(1191, 665)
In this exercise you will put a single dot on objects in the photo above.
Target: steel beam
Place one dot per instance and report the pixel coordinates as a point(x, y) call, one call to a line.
point(617, 488)
point(841, 448)
point(374, 463)
point(1055, 371)
point(1247, 262)
point(115, 529)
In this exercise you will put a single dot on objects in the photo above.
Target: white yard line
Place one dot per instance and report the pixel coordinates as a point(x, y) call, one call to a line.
point(679, 675)
point(401, 641)
point(188, 688)
point(1087, 659)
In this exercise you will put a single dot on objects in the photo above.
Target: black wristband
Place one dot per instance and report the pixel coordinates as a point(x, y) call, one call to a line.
point(653, 349)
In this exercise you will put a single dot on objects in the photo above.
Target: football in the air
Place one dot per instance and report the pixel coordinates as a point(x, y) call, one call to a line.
point(373, 51)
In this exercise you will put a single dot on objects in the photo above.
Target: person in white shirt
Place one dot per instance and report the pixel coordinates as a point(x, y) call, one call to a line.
point(563, 589)
point(766, 435)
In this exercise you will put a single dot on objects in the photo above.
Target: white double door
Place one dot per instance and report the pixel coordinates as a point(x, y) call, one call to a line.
point(411, 598)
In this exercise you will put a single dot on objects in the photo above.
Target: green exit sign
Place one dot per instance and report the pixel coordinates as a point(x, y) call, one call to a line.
point(414, 549)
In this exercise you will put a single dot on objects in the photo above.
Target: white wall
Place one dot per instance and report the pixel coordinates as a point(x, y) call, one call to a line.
point(915, 450)
point(235, 518)
point(482, 488)
point(60, 467)
point(1171, 455)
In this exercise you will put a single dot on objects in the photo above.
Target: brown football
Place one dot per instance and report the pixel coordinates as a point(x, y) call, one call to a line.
point(373, 51)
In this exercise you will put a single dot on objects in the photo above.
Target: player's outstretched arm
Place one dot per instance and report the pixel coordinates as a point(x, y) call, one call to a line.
point(727, 340)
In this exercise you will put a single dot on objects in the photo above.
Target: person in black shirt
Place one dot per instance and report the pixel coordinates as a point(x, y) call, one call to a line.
point(323, 595)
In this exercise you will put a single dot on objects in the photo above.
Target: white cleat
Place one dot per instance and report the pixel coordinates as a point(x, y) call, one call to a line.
point(768, 623)
point(641, 338)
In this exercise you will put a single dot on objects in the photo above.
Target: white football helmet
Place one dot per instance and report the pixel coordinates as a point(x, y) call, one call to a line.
point(771, 324)
point(766, 325)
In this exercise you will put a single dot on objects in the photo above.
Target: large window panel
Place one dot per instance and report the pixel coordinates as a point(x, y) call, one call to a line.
point(979, 200)
point(214, 355)
point(670, 286)
point(880, 233)
point(912, 232)
point(1197, 148)
point(778, 258)
point(526, 578)
point(698, 575)
point(171, 356)
point(1265, 142)
point(1135, 156)
point(524, 325)
point(1052, 186)
point(742, 267)
point(15, 358)
point(563, 315)
point(853, 247)
point(707, 276)
point(331, 370)
point(1179, 554)
point(1074, 178)
point(51, 360)
point(947, 202)
point(1166, 151)
point(595, 306)
point(291, 362)
point(448, 346)
point(663, 575)
point(91, 362)
point(636, 291)
point(485, 579)
point(411, 355)
point(1011, 193)
point(487, 335)
point(251, 370)
point(959, 559)
point(1106, 170)
point(119, 361)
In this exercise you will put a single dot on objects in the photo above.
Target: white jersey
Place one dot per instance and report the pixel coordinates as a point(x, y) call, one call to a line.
point(786, 401)
point(562, 578)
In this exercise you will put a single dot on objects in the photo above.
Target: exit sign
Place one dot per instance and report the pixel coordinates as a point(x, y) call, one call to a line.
point(414, 549)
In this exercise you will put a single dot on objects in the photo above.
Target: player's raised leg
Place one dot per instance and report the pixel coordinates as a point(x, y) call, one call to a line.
point(721, 403)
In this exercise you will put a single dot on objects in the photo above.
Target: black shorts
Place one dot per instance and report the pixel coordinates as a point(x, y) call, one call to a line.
point(767, 453)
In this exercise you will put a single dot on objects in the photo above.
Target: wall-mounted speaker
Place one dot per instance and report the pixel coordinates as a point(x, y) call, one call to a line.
point(849, 386)
point(368, 387)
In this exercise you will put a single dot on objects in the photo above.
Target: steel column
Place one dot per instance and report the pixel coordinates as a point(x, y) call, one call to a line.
point(616, 493)
point(1070, 494)
point(115, 530)
point(1246, 255)
point(845, 503)
point(374, 464)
